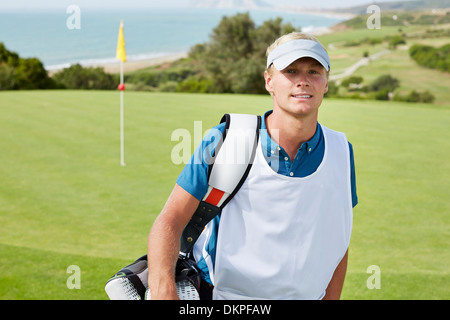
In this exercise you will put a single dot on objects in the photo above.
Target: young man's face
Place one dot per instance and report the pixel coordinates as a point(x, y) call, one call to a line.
point(298, 89)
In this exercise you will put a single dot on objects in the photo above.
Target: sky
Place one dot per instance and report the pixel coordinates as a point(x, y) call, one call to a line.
point(55, 4)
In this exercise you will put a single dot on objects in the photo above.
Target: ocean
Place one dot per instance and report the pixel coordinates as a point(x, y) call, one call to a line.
point(149, 33)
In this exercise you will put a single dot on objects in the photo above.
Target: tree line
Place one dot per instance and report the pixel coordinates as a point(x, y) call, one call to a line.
point(431, 57)
point(18, 73)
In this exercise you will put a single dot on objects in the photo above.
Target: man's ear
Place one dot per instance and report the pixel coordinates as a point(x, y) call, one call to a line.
point(326, 88)
point(268, 79)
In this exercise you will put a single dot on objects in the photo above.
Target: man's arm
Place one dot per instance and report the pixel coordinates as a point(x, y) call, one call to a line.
point(164, 243)
point(334, 288)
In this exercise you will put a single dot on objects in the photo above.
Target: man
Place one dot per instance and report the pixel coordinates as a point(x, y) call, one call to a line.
point(285, 234)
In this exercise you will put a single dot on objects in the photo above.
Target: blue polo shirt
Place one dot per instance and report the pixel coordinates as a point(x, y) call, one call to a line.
point(194, 177)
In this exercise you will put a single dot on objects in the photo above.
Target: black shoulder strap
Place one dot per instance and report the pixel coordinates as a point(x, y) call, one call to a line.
point(233, 159)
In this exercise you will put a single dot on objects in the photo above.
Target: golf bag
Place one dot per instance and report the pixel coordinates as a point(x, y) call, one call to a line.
point(233, 158)
point(130, 283)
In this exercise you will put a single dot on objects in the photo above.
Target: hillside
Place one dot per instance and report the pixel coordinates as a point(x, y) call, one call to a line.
point(351, 42)
point(399, 6)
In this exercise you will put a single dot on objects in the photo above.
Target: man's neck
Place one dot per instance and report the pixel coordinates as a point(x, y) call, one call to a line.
point(290, 132)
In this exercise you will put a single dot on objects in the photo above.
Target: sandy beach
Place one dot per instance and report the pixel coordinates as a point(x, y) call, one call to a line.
point(132, 65)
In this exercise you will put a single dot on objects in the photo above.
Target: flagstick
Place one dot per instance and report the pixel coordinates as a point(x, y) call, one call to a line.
point(122, 56)
point(122, 149)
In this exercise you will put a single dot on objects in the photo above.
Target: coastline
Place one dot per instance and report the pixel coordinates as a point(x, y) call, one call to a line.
point(130, 65)
point(317, 12)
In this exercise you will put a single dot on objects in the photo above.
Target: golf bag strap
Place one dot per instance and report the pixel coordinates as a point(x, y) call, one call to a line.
point(203, 215)
point(233, 159)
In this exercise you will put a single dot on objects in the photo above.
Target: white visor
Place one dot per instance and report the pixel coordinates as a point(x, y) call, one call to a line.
point(286, 53)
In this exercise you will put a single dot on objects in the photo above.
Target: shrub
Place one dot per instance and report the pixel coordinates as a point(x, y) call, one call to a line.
point(333, 90)
point(414, 96)
point(384, 82)
point(430, 57)
point(169, 86)
point(195, 85)
point(77, 77)
point(352, 83)
point(395, 41)
point(381, 95)
point(18, 73)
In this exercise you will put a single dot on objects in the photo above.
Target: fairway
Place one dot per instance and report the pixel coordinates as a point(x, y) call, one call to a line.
point(65, 200)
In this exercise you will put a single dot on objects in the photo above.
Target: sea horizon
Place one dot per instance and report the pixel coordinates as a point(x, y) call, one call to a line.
point(150, 33)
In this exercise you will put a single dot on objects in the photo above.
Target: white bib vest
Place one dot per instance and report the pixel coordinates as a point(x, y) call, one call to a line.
point(282, 237)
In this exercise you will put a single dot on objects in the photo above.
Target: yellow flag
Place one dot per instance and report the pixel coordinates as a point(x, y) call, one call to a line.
point(121, 53)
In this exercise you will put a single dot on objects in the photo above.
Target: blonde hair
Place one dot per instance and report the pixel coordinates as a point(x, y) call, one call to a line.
point(289, 37)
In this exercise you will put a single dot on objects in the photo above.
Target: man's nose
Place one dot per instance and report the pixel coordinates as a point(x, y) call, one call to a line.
point(302, 80)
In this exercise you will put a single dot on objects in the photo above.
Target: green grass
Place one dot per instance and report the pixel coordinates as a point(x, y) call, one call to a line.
point(65, 200)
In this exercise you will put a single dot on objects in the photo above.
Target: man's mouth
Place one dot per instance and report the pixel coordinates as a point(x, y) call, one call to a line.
point(302, 96)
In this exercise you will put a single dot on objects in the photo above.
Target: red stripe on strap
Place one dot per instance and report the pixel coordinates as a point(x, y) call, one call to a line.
point(215, 196)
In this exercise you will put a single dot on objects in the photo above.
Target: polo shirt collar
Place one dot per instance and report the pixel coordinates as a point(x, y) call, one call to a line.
point(272, 147)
